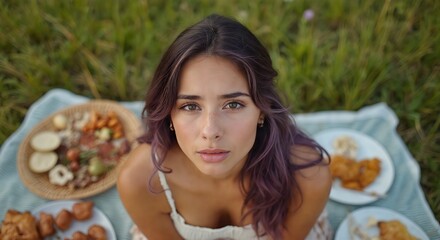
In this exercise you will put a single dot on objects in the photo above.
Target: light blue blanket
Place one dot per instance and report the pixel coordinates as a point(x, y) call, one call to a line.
point(377, 121)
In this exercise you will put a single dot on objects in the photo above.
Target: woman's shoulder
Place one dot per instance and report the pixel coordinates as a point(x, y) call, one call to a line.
point(142, 194)
point(138, 160)
point(136, 170)
point(138, 183)
point(318, 170)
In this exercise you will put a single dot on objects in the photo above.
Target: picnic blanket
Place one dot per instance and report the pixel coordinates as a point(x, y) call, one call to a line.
point(378, 121)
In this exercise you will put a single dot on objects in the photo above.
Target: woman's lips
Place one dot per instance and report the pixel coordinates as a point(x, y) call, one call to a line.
point(213, 155)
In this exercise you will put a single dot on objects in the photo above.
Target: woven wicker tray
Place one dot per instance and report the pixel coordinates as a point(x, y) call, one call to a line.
point(39, 184)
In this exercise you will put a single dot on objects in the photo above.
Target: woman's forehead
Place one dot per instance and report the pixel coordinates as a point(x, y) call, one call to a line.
point(212, 74)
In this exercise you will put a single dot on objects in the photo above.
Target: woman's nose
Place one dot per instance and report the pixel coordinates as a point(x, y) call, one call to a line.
point(211, 127)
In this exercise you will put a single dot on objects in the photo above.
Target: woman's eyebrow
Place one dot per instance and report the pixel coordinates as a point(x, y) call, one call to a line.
point(234, 95)
point(188, 97)
point(224, 96)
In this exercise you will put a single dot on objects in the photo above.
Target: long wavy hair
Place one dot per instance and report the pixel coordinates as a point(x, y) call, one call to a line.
point(268, 166)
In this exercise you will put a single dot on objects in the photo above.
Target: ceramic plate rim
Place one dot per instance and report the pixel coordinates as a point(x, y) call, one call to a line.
point(384, 214)
point(98, 217)
point(380, 186)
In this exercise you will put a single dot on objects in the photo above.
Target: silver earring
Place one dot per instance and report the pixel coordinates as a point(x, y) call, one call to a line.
point(261, 123)
point(171, 127)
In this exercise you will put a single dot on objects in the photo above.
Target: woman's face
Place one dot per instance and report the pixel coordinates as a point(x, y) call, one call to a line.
point(214, 118)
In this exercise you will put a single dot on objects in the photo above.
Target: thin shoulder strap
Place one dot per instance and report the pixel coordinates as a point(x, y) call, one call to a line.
point(166, 188)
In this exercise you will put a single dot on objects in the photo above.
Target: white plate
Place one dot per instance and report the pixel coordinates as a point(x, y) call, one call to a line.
point(98, 218)
point(362, 215)
point(367, 148)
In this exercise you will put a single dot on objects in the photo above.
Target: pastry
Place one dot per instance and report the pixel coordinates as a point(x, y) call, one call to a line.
point(82, 210)
point(96, 232)
point(46, 225)
point(79, 236)
point(17, 225)
point(63, 219)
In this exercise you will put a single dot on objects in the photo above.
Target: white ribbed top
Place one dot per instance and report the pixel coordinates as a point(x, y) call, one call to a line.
point(191, 232)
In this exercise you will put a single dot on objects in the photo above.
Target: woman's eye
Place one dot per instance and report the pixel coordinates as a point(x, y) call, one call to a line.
point(234, 105)
point(190, 107)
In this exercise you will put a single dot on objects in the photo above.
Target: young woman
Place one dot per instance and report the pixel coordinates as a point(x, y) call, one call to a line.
point(221, 158)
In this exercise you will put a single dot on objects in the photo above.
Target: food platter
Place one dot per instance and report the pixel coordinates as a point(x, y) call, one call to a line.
point(367, 148)
point(363, 216)
point(98, 217)
point(39, 183)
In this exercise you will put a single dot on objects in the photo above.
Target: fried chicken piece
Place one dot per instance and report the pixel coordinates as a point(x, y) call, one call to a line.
point(369, 170)
point(46, 225)
point(352, 171)
point(355, 175)
point(337, 165)
point(17, 225)
point(63, 219)
point(344, 168)
point(394, 229)
point(79, 236)
point(82, 210)
point(96, 232)
point(9, 231)
point(367, 177)
point(355, 185)
point(371, 164)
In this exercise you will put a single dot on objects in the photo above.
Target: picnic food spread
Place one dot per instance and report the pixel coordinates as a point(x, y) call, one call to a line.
point(23, 225)
point(76, 151)
point(338, 209)
point(80, 149)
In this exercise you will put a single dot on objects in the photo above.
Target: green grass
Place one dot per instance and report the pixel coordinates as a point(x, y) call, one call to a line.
point(352, 54)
